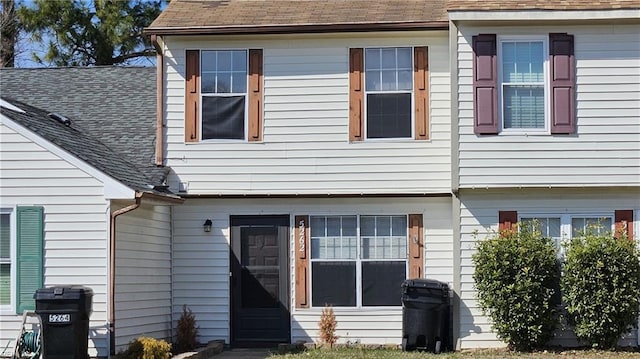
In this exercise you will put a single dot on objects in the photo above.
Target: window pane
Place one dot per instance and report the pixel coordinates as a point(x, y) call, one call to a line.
point(238, 82)
point(389, 80)
point(224, 61)
point(333, 237)
point(372, 59)
point(389, 115)
point(595, 225)
point(223, 82)
point(523, 106)
point(367, 226)
point(405, 80)
point(381, 283)
point(373, 80)
point(317, 226)
point(239, 61)
point(5, 284)
point(208, 61)
point(349, 226)
point(333, 283)
point(522, 61)
point(404, 58)
point(389, 58)
point(208, 83)
point(383, 226)
point(5, 236)
point(333, 226)
point(399, 225)
point(223, 117)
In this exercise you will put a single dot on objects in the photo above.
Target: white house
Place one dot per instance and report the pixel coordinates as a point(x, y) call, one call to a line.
point(78, 210)
point(546, 125)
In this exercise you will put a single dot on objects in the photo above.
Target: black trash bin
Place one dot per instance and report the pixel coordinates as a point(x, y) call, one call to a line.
point(64, 312)
point(425, 315)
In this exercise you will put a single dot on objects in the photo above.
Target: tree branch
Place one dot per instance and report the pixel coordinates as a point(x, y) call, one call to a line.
point(122, 58)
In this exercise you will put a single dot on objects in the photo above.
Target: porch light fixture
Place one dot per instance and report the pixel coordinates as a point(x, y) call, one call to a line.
point(207, 225)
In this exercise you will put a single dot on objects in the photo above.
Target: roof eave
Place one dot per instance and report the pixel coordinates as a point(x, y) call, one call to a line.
point(298, 28)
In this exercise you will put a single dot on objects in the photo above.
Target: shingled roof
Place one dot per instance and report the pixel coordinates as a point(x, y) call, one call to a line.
point(82, 145)
point(290, 16)
point(484, 5)
point(115, 104)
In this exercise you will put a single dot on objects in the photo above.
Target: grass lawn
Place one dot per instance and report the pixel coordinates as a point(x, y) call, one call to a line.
point(359, 353)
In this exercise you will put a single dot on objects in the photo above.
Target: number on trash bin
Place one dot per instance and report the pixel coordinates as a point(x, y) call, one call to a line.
point(59, 318)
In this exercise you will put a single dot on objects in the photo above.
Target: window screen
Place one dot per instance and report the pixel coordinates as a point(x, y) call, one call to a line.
point(333, 283)
point(223, 117)
point(381, 282)
point(593, 225)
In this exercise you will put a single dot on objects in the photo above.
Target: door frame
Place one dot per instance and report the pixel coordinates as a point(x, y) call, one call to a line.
point(235, 223)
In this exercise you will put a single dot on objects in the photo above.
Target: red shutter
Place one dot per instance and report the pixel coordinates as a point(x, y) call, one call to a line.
point(255, 95)
point(416, 246)
point(624, 222)
point(421, 91)
point(356, 95)
point(507, 220)
point(192, 96)
point(302, 261)
point(485, 85)
point(563, 79)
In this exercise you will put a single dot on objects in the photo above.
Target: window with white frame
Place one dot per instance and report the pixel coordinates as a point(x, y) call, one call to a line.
point(522, 88)
point(563, 227)
point(6, 291)
point(355, 260)
point(388, 92)
point(223, 88)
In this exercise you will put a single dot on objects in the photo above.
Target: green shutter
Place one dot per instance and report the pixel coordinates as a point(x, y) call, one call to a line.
point(30, 233)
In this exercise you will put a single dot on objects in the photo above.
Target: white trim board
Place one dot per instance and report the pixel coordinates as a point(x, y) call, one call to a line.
point(474, 15)
point(113, 189)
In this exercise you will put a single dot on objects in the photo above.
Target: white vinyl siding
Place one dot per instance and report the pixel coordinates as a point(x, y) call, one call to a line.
point(305, 148)
point(143, 274)
point(479, 215)
point(604, 152)
point(201, 262)
point(75, 227)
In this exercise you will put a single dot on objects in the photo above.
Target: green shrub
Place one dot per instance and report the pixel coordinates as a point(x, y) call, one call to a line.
point(516, 272)
point(601, 287)
point(186, 331)
point(146, 348)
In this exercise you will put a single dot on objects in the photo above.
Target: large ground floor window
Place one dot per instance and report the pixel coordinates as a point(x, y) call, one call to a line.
point(358, 260)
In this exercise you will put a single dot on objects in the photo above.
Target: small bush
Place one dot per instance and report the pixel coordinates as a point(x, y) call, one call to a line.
point(516, 272)
point(601, 287)
point(186, 331)
point(146, 348)
point(328, 326)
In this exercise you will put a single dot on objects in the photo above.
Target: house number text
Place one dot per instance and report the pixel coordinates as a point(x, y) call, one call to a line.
point(301, 234)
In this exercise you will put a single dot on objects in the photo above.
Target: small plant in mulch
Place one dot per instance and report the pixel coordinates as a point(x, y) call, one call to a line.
point(186, 331)
point(328, 326)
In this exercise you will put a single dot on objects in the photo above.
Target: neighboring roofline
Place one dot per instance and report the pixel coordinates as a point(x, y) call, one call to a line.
point(113, 189)
point(298, 28)
point(544, 15)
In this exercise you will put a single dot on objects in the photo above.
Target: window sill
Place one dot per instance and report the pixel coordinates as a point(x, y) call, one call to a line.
point(524, 133)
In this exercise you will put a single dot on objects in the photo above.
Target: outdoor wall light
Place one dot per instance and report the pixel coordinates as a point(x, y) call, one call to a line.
point(207, 225)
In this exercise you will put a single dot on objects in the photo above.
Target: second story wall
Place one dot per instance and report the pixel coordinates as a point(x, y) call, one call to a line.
point(305, 146)
point(604, 148)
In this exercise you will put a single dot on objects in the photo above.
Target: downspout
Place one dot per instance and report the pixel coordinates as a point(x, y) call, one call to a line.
point(112, 270)
point(155, 40)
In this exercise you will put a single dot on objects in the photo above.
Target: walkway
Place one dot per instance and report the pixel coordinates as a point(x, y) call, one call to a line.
point(245, 354)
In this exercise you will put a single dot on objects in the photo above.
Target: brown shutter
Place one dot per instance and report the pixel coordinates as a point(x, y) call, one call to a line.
point(192, 96)
point(485, 85)
point(624, 222)
point(506, 220)
point(421, 90)
point(416, 246)
point(302, 261)
point(563, 79)
point(255, 95)
point(356, 95)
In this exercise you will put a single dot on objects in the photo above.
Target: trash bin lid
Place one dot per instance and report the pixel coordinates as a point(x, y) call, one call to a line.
point(63, 292)
point(425, 284)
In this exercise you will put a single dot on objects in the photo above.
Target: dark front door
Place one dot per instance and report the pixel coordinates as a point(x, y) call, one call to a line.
point(259, 280)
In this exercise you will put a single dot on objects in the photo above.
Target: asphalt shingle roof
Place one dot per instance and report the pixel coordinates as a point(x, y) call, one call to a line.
point(115, 104)
point(212, 16)
point(112, 110)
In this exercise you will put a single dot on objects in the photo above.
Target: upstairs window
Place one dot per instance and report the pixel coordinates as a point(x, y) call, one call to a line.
point(6, 292)
point(388, 86)
point(223, 95)
point(389, 93)
point(223, 88)
point(522, 86)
